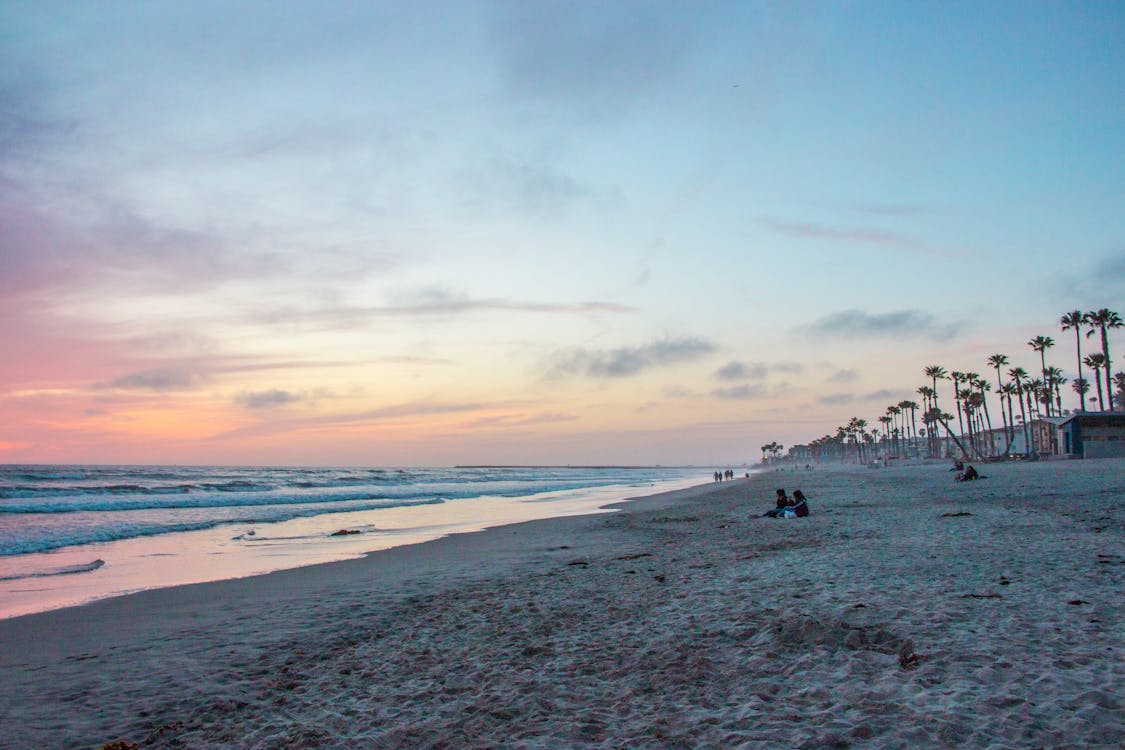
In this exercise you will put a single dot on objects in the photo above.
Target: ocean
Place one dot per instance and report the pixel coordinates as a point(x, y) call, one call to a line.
point(74, 534)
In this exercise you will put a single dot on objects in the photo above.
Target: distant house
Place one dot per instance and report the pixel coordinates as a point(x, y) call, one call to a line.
point(800, 453)
point(1043, 434)
point(1093, 435)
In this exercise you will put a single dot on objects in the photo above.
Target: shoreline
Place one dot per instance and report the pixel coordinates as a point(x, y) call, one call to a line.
point(92, 572)
point(683, 619)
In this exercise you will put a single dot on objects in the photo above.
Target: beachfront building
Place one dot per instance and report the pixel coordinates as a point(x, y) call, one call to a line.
point(1093, 435)
point(1043, 434)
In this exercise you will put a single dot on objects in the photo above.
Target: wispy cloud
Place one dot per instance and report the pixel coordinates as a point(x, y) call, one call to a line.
point(862, 235)
point(1097, 283)
point(735, 370)
point(739, 392)
point(628, 360)
point(856, 323)
point(267, 399)
point(409, 410)
point(520, 420)
point(159, 379)
point(843, 376)
point(836, 399)
point(432, 303)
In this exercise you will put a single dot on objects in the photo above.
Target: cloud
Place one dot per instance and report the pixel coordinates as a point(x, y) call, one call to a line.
point(625, 361)
point(835, 399)
point(736, 370)
point(880, 395)
point(535, 190)
point(843, 376)
point(860, 324)
point(862, 235)
point(353, 419)
point(521, 420)
point(266, 399)
point(1102, 280)
point(739, 392)
point(159, 379)
point(431, 303)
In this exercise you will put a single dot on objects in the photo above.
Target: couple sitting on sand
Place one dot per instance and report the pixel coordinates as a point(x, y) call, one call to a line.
point(795, 507)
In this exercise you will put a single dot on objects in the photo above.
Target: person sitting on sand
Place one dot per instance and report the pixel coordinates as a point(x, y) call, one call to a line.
point(800, 505)
point(782, 504)
point(968, 475)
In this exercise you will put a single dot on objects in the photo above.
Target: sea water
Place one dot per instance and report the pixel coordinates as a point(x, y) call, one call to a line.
point(73, 534)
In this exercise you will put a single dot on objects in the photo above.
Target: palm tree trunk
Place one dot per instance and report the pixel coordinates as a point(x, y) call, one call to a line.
point(1108, 369)
point(1043, 371)
point(1078, 348)
point(988, 418)
point(957, 442)
point(1023, 417)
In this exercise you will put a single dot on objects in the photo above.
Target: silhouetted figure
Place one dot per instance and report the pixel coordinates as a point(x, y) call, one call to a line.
point(968, 475)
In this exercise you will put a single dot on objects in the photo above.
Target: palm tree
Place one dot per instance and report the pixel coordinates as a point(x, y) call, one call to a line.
point(913, 407)
point(983, 386)
point(927, 394)
point(1081, 386)
point(858, 426)
point(892, 412)
point(1103, 320)
point(1074, 319)
point(997, 361)
point(1055, 378)
point(935, 373)
point(957, 377)
point(1007, 390)
point(1041, 344)
point(1095, 362)
point(1018, 374)
point(1119, 383)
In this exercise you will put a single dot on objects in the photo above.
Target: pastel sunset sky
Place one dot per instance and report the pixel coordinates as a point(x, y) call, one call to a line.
point(428, 233)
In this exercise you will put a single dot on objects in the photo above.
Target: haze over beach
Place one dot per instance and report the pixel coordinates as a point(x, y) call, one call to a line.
point(412, 234)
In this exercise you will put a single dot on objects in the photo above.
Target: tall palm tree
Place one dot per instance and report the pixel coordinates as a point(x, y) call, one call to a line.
point(927, 394)
point(982, 387)
point(957, 377)
point(1041, 344)
point(885, 421)
point(1096, 362)
point(1007, 390)
point(913, 407)
point(1103, 320)
point(1018, 374)
point(859, 425)
point(971, 379)
point(1056, 379)
point(1033, 392)
point(964, 397)
point(1074, 319)
point(935, 373)
point(893, 412)
point(997, 361)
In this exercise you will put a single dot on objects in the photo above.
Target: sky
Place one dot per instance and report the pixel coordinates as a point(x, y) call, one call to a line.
point(437, 233)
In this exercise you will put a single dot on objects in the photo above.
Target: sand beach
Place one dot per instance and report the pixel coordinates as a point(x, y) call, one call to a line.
point(906, 611)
